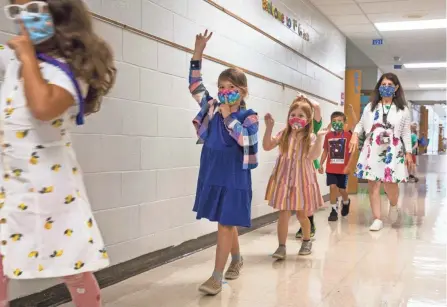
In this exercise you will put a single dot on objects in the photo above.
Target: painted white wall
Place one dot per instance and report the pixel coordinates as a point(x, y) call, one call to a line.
point(139, 154)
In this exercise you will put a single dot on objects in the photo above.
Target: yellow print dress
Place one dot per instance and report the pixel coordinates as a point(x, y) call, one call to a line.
point(293, 184)
point(47, 227)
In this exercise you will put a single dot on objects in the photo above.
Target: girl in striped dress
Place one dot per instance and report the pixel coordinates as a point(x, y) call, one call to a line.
point(293, 185)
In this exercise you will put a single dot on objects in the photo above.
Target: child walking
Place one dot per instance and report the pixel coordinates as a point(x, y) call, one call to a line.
point(293, 184)
point(415, 145)
point(229, 134)
point(336, 152)
point(56, 70)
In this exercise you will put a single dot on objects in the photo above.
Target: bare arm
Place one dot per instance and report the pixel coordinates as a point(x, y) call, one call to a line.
point(354, 118)
point(268, 142)
point(45, 101)
point(316, 148)
point(323, 157)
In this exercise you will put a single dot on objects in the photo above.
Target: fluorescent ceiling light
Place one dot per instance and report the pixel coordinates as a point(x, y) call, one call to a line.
point(411, 25)
point(426, 65)
point(440, 85)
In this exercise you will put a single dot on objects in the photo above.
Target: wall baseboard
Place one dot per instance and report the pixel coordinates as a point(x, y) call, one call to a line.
point(58, 295)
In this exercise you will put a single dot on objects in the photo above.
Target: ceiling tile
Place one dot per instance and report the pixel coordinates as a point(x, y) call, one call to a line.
point(393, 17)
point(403, 6)
point(357, 28)
point(326, 2)
point(350, 20)
point(340, 9)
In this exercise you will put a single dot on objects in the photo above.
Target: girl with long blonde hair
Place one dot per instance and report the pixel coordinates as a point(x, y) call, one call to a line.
point(293, 185)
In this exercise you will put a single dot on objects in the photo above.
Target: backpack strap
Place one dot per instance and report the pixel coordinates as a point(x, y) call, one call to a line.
point(65, 68)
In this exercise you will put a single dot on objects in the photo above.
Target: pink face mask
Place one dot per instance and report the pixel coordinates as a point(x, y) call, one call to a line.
point(297, 123)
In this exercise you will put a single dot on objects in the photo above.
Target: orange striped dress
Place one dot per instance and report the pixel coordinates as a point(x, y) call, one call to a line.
point(293, 184)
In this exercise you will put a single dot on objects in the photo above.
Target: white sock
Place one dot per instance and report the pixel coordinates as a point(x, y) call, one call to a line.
point(335, 207)
point(346, 202)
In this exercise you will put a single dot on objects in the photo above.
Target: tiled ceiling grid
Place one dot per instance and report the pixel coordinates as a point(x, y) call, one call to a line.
point(356, 18)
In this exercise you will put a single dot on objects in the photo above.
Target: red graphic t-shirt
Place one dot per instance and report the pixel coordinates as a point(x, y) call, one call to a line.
point(337, 146)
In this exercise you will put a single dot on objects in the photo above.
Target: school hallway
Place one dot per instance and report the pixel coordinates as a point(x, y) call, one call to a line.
point(403, 265)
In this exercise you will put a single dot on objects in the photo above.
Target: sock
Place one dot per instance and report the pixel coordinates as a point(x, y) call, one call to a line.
point(236, 258)
point(335, 207)
point(306, 240)
point(311, 219)
point(217, 276)
point(346, 202)
point(282, 245)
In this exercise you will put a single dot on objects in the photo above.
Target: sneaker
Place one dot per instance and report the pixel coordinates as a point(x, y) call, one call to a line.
point(280, 253)
point(333, 216)
point(306, 248)
point(345, 208)
point(234, 270)
point(376, 225)
point(393, 214)
point(211, 287)
point(299, 234)
point(313, 229)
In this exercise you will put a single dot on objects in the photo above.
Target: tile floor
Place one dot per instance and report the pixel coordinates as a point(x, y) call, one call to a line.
point(402, 265)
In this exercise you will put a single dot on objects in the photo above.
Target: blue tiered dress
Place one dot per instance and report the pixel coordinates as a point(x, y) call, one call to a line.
point(224, 191)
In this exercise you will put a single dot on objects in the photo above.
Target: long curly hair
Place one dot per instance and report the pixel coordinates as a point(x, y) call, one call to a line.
point(306, 106)
point(89, 56)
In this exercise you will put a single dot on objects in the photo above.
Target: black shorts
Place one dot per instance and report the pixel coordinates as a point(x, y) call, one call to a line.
point(340, 180)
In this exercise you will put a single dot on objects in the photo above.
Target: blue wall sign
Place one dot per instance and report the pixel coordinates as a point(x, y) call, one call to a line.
point(398, 66)
point(377, 42)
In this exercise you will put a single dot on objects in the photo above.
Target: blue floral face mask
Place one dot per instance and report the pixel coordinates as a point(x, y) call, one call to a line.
point(228, 96)
point(387, 90)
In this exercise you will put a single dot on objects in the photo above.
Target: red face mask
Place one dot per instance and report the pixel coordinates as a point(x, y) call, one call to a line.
point(297, 123)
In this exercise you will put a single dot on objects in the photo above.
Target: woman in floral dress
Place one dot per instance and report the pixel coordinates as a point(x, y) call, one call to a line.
point(386, 153)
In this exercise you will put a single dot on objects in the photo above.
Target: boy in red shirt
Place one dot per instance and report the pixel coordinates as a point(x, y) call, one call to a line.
point(336, 151)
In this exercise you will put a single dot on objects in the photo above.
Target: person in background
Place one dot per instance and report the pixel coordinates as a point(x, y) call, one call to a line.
point(317, 124)
point(414, 144)
point(57, 71)
point(293, 185)
point(387, 153)
point(229, 134)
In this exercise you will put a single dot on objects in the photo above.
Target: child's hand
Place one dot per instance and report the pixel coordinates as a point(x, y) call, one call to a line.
point(22, 45)
point(202, 40)
point(225, 110)
point(269, 121)
point(322, 132)
point(321, 170)
point(346, 170)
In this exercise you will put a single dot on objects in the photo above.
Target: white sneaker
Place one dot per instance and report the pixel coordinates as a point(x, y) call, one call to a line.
point(376, 225)
point(393, 215)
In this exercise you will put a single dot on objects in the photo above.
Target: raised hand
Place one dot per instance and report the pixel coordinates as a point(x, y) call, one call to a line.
point(22, 45)
point(322, 132)
point(202, 40)
point(269, 121)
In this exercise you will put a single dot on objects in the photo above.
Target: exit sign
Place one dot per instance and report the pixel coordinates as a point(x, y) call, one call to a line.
point(377, 42)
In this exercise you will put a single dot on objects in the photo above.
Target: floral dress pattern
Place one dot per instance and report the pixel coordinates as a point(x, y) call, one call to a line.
point(47, 228)
point(382, 162)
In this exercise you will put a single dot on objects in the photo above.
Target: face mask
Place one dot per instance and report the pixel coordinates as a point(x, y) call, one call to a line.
point(337, 126)
point(297, 123)
point(228, 96)
point(387, 90)
point(40, 26)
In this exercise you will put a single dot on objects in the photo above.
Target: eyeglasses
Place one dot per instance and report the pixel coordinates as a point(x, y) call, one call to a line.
point(13, 11)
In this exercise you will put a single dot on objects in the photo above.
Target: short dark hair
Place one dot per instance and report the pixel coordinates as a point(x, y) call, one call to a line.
point(338, 114)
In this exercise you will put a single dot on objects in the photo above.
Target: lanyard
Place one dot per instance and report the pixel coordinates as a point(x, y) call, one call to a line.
point(385, 115)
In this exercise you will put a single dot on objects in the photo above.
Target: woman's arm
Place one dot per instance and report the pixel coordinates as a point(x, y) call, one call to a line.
point(406, 132)
point(196, 87)
point(360, 127)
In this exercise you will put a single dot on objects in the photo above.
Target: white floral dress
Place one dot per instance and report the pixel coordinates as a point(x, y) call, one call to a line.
point(382, 162)
point(47, 227)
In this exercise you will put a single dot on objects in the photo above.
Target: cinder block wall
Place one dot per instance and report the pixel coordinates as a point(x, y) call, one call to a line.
point(139, 154)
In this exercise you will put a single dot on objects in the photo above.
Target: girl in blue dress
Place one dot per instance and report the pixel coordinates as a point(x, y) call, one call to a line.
point(229, 134)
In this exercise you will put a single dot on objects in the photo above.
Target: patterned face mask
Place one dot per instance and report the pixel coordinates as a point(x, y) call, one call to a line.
point(337, 126)
point(387, 90)
point(228, 96)
point(297, 123)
